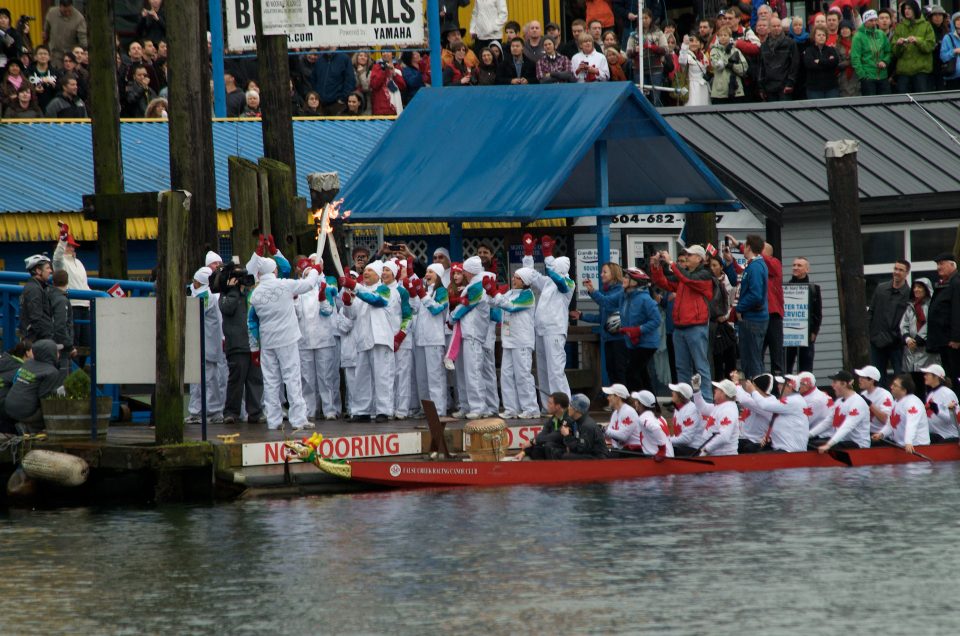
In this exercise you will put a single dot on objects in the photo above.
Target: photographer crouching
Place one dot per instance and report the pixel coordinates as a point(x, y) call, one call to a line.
point(244, 379)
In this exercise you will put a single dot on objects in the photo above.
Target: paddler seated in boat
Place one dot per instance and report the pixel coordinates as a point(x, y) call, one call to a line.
point(941, 406)
point(654, 433)
point(851, 417)
point(687, 423)
point(548, 443)
point(623, 429)
point(720, 429)
point(907, 425)
point(754, 419)
point(582, 437)
point(788, 431)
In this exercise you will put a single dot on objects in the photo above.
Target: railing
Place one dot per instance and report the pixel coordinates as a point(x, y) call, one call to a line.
point(135, 288)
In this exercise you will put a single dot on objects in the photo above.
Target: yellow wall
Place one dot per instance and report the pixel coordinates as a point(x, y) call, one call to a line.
point(31, 8)
point(521, 11)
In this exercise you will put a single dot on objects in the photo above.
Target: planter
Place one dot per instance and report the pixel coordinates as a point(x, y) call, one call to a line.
point(71, 418)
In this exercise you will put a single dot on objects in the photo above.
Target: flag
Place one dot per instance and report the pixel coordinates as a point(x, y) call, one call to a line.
point(711, 250)
point(116, 292)
point(682, 237)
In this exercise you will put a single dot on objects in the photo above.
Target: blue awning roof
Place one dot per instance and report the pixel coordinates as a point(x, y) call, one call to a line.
point(48, 166)
point(523, 153)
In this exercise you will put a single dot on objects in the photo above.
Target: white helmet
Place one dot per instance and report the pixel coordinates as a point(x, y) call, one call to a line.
point(35, 260)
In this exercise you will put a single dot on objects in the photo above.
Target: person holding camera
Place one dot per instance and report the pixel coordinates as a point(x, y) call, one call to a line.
point(386, 84)
point(244, 379)
point(214, 360)
point(913, 328)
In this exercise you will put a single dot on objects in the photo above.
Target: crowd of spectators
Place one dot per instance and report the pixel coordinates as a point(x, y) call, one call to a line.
point(747, 52)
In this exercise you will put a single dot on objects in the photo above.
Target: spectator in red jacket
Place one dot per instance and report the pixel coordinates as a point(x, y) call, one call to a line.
point(386, 83)
point(693, 285)
point(774, 337)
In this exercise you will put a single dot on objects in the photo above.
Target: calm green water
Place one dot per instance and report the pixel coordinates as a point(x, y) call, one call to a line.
point(823, 551)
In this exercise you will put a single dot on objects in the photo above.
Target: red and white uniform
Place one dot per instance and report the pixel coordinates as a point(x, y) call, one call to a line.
point(942, 421)
point(688, 425)
point(654, 435)
point(907, 423)
point(790, 431)
point(754, 419)
point(882, 400)
point(624, 428)
point(851, 422)
point(819, 408)
point(720, 419)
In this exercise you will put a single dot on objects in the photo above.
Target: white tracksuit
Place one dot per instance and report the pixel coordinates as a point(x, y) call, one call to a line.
point(851, 422)
point(319, 363)
point(790, 430)
point(819, 407)
point(943, 422)
point(430, 346)
point(275, 332)
point(754, 419)
point(551, 321)
point(623, 429)
point(654, 435)
point(883, 401)
point(689, 426)
point(214, 360)
point(908, 422)
point(720, 426)
point(473, 313)
point(373, 330)
point(517, 338)
point(348, 357)
point(489, 368)
point(403, 357)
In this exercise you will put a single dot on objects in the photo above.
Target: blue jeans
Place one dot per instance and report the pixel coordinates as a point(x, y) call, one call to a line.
point(751, 335)
point(919, 83)
point(690, 349)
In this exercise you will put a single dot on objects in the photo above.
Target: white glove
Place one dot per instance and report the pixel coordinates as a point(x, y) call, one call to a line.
point(61, 392)
point(695, 382)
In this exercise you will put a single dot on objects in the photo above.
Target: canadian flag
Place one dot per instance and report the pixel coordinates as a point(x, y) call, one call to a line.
point(116, 291)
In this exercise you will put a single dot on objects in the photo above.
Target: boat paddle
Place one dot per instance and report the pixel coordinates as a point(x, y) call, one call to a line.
point(894, 444)
point(841, 456)
point(621, 451)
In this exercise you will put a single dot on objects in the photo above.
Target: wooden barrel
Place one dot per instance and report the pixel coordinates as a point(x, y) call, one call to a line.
point(71, 418)
point(486, 440)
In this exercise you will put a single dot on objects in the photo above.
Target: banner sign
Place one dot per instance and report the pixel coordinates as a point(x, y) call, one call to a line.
point(351, 447)
point(515, 436)
point(312, 24)
point(588, 267)
point(796, 315)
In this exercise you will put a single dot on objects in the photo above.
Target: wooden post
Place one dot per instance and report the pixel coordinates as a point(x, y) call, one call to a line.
point(274, 67)
point(848, 249)
point(246, 203)
point(324, 188)
point(284, 207)
point(173, 225)
point(191, 128)
point(701, 229)
point(105, 128)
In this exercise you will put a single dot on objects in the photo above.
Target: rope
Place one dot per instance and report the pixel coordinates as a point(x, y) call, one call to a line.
point(933, 119)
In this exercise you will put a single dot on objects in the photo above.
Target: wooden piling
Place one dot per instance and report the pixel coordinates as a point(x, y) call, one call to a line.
point(848, 249)
point(105, 128)
point(274, 72)
point(284, 206)
point(191, 128)
point(701, 229)
point(246, 204)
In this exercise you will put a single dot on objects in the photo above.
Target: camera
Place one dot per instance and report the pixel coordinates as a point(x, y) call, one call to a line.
point(219, 281)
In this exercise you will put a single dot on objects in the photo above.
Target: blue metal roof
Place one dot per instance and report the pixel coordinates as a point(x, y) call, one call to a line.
point(48, 166)
point(522, 153)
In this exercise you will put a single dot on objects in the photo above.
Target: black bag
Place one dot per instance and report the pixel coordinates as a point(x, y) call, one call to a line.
point(949, 68)
point(725, 338)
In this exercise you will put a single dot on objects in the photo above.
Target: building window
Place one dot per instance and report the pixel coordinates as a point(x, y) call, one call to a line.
point(882, 247)
point(919, 244)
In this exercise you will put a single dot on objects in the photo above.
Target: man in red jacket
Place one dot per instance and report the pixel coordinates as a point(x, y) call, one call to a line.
point(693, 285)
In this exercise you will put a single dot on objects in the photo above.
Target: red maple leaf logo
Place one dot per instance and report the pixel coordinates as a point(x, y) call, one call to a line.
point(929, 412)
point(887, 402)
point(838, 418)
point(854, 412)
point(744, 415)
point(912, 410)
point(664, 428)
point(829, 402)
point(688, 422)
point(895, 420)
point(726, 422)
point(808, 412)
point(710, 421)
point(783, 400)
point(627, 421)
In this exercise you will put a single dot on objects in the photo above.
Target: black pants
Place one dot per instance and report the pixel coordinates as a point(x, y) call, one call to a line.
point(548, 450)
point(746, 446)
point(939, 439)
point(617, 360)
point(806, 358)
point(951, 363)
point(679, 450)
point(671, 354)
point(244, 380)
point(774, 342)
point(638, 377)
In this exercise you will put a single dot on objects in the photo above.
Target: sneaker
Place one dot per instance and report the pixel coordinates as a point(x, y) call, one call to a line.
point(474, 416)
point(381, 418)
point(307, 424)
point(508, 415)
point(417, 415)
point(331, 417)
point(275, 428)
point(399, 416)
point(360, 418)
point(458, 414)
point(229, 419)
point(257, 419)
point(193, 419)
point(529, 415)
point(216, 419)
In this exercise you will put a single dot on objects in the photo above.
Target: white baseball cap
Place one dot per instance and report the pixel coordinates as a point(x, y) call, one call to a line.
point(869, 372)
point(806, 375)
point(683, 389)
point(935, 369)
point(727, 386)
point(646, 398)
point(617, 389)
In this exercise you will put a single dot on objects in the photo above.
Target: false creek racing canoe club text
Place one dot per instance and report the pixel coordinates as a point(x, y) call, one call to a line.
point(396, 470)
point(387, 20)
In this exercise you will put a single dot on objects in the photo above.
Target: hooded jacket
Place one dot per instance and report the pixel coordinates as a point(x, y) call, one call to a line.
point(608, 302)
point(944, 315)
point(35, 380)
point(638, 309)
point(694, 292)
point(870, 46)
point(317, 319)
point(62, 318)
point(951, 42)
point(518, 307)
point(553, 305)
point(820, 63)
point(729, 66)
point(779, 64)
point(9, 364)
point(36, 314)
point(487, 19)
point(914, 58)
point(233, 310)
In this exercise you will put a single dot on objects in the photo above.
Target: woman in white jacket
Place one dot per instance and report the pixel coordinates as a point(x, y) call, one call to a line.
point(486, 22)
point(692, 59)
point(517, 337)
point(429, 339)
point(319, 363)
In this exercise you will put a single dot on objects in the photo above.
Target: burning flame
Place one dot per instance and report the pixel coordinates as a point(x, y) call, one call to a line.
point(333, 212)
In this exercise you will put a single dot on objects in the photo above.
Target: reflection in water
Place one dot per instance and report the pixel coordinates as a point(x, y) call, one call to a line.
point(725, 553)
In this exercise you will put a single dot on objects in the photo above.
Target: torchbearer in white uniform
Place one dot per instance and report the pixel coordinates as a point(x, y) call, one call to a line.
point(429, 339)
point(489, 368)
point(214, 359)
point(907, 425)
point(473, 314)
point(348, 348)
point(401, 317)
point(372, 313)
point(274, 334)
point(516, 334)
point(319, 359)
point(551, 318)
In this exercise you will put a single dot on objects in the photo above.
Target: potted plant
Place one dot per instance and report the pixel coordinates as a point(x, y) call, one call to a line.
point(69, 416)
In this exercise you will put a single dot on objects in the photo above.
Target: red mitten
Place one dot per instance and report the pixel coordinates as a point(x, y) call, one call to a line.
point(64, 230)
point(546, 245)
point(409, 266)
point(255, 358)
point(304, 264)
point(661, 454)
point(503, 289)
point(347, 299)
point(347, 282)
point(489, 285)
point(633, 333)
point(261, 245)
point(322, 296)
point(421, 291)
point(529, 244)
point(398, 339)
point(271, 246)
point(318, 267)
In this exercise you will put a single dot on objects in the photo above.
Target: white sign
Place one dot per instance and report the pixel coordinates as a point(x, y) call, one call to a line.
point(515, 435)
point(310, 24)
point(348, 447)
point(796, 315)
point(588, 268)
point(740, 220)
point(127, 341)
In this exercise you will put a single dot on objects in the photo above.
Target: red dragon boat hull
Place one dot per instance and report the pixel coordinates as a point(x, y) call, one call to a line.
point(434, 474)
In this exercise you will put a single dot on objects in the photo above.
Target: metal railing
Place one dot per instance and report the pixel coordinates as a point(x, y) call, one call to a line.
point(134, 288)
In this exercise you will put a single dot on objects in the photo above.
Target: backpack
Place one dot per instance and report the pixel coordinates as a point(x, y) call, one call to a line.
point(720, 304)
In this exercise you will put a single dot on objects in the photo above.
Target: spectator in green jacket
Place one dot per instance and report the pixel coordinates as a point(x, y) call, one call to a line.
point(870, 56)
point(913, 44)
